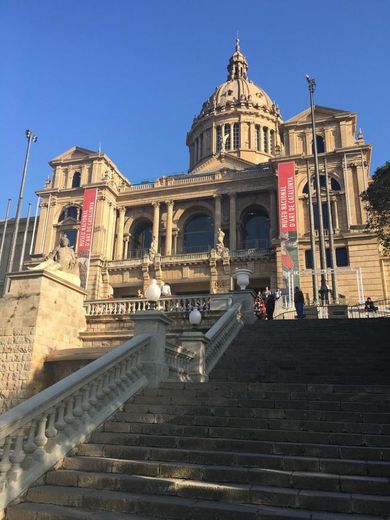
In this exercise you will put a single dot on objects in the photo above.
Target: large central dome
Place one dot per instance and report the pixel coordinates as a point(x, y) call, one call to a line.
point(238, 119)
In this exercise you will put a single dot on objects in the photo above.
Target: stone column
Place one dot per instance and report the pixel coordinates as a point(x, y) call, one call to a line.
point(217, 216)
point(168, 238)
point(336, 224)
point(232, 222)
point(156, 223)
point(154, 324)
point(126, 246)
point(273, 216)
point(120, 223)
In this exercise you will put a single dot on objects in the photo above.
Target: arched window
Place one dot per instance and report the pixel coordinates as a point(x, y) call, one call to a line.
point(219, 138)
point(76, 180)
point(255, 229)
point(236, 136)
point(198, 234)
point(69, 222)
point(320, 144)
point(73, 212)
point(334, 184)
point(228, 139)
point(257, 137)
point(141, 238)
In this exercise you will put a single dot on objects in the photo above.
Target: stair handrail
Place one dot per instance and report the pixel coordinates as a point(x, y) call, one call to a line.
point(40, 431)
point(222, 334)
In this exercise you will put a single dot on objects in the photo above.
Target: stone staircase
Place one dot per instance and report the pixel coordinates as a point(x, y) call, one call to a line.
point(271, 436)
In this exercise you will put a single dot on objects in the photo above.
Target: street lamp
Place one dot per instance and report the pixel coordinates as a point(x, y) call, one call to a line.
point(31, 138)
point(324, 291)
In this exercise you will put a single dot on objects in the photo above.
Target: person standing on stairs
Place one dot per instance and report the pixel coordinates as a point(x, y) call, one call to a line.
point(299, 301)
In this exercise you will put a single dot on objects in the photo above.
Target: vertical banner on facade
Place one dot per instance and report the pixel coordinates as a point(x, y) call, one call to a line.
point(288, 225)
point(84, 244)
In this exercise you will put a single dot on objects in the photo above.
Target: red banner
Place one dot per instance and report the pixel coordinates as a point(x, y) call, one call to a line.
point(288, 225)
point(87, 221)
point(84, 243)
point(287, 200)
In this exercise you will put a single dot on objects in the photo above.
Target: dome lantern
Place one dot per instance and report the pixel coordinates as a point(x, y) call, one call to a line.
point(238, 65)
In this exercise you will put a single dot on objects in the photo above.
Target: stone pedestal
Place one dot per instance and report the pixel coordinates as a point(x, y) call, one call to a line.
point(153, 323)
point(336, 311)
point(311, 312)
point(196, 342)
point(41, 312)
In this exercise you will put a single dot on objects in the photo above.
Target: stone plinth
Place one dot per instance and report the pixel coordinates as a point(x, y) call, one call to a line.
point(41, 312)
point(311, 312)
point(337, 311)
point(154, 323)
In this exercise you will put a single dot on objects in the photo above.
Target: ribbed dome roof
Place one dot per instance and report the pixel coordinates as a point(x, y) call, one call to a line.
point(238, 90)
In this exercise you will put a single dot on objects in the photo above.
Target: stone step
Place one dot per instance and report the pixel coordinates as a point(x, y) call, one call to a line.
point(353, 406)
point(194, 444)
point(251, 422)
point(258, 392)
point(204, 511)
point(191, 496)
point(346, 439)
point(264, 413)
point(79, 471)
point(248, 459)
point(36, 511)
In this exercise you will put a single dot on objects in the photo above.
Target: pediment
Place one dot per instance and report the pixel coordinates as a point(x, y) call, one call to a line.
point(320, 114)
point(222, 161)
point(73, 154)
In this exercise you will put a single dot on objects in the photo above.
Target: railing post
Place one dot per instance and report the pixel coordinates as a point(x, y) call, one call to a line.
point(246, 299)
point(196, 341)
point(153, 323)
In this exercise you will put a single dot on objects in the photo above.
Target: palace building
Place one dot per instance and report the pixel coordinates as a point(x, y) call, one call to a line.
point(170, 229)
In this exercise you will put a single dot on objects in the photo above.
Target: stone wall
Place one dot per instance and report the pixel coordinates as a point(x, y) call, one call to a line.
point(41, 313)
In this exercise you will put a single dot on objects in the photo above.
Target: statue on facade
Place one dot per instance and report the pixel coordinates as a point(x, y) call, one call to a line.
point(153, 248)
point(61, 260)
point(220, 246)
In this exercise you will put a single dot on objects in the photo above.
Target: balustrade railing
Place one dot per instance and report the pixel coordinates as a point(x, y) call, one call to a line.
point(40, 431)
point(379, 309)
point(178, 360)
point(132, 305)
point(221, 335)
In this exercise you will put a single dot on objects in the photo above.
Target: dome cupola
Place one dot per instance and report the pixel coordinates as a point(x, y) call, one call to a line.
point(239, 119)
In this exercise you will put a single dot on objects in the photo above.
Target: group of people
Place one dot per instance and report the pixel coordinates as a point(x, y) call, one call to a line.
point(264, 305)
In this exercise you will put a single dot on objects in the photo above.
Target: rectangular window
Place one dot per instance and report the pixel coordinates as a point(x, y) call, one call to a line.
point(342, 259)
point(272, 139)
point(236, 136)
point(257, 137)
point(265, 138)
point(325, 216)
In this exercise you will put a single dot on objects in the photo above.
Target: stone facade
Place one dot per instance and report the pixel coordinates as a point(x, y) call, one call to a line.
point(236, 143)
point(41, 313)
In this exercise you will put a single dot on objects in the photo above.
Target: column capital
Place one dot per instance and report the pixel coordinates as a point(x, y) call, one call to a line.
point(217, 195)
point(156, 204)
point(169, 203)
point(122, 209)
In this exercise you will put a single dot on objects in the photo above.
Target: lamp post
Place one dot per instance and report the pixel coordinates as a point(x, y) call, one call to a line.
point(31, 138)
point(324, 288)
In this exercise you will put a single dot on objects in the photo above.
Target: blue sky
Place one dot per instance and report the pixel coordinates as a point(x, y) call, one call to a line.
point(132, 74)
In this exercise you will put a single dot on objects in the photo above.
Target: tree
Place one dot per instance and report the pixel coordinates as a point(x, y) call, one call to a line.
point(377, 197)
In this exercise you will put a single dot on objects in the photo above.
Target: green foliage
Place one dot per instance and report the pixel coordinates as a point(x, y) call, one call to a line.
point(377, 197)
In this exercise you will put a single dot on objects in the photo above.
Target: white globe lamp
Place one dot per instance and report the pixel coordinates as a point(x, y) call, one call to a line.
point(195, 317)
point(153, 293)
